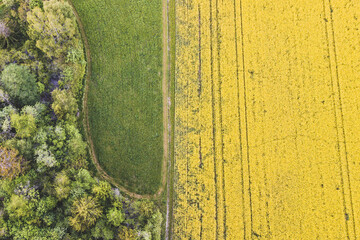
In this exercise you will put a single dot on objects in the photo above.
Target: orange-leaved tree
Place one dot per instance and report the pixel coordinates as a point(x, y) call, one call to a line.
point(11, 163)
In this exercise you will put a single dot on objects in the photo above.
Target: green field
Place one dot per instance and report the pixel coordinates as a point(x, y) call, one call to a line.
point(125, 91)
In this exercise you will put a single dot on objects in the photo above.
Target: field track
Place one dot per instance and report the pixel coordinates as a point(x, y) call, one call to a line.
point(166, 107)
point(267, 120)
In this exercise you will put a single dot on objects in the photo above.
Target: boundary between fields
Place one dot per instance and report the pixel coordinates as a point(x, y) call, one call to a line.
point(166, 107)
point(171, 9)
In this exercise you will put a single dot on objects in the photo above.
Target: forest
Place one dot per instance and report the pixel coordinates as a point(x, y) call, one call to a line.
point(48, 186)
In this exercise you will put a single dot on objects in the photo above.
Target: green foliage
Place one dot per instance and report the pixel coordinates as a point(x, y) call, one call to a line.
point(45, 159)
point(36, 3)
point(67, 79)
point(41, 87)
point(4, 10)
point(83, 180)
point(75, 55)
point(62, 185)
point(127, 233)
point(43, 210)
point(24, 146)
point(65, 143)
point(3, 225)
point(145, 209)
point(45, 191)
point(85, 212)
point(102, 190)
point(18, 207)
point(53, 28)
point(74, 71)
point(38, 111)
point(102, 231)
point(115, 217)
point(9, 3)
point(156, 222)
point(64, 105)
point(4, 97)
point(76, 148)
point(5, 118)
point(5, 34)
point(20, 84)
point(54, 138)
point(25, 124)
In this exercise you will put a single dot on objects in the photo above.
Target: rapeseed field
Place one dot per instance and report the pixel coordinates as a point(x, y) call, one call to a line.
point(267, 129)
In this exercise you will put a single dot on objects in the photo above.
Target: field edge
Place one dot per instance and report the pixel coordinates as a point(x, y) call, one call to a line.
point(166, 126)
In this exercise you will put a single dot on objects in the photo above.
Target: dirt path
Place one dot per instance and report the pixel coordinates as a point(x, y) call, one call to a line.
point(166, 107)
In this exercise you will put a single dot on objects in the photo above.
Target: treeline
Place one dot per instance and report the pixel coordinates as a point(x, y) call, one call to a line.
point(46, 188)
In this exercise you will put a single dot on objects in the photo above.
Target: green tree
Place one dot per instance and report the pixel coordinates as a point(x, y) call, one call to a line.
point(115, 216)
point(76, 147)
point(62, 185)
point(8, 3)
point(85, 212)
point(83, 180)
point(53, 27)
point(44, 158)
point(5, 118)
point(24, 124)
point(102, 231)
point(156, 221)
point(102, 190)
point(20, 84)
point(127, 233)
point(64, 104)
point(18, 207)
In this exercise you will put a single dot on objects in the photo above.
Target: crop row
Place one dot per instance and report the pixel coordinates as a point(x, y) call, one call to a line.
point(266, 109)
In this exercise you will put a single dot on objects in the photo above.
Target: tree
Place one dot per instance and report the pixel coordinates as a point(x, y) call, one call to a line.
point(127, 233)
point(62, 185)
point(64, 105)
point(156, 222)
point(4, 32)
point(102, 231)
point(5, 118)
point(85, 212)
point(83, 180)
point(76, 147)
point(18, 207)
point(44, 158)
point(8, 3)
point(24, 124)
point(102, 190)
point(11, 164)
point(115, 216)
point(20, 84)
point(54, 28)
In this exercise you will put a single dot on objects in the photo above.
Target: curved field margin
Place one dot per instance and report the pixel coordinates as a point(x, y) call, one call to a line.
point(162, 165)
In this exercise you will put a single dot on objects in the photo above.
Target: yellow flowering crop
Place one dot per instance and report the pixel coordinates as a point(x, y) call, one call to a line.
point(267, 119)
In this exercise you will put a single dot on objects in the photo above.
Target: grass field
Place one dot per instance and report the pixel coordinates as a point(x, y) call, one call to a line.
point(125, 91)
point(267, 129)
